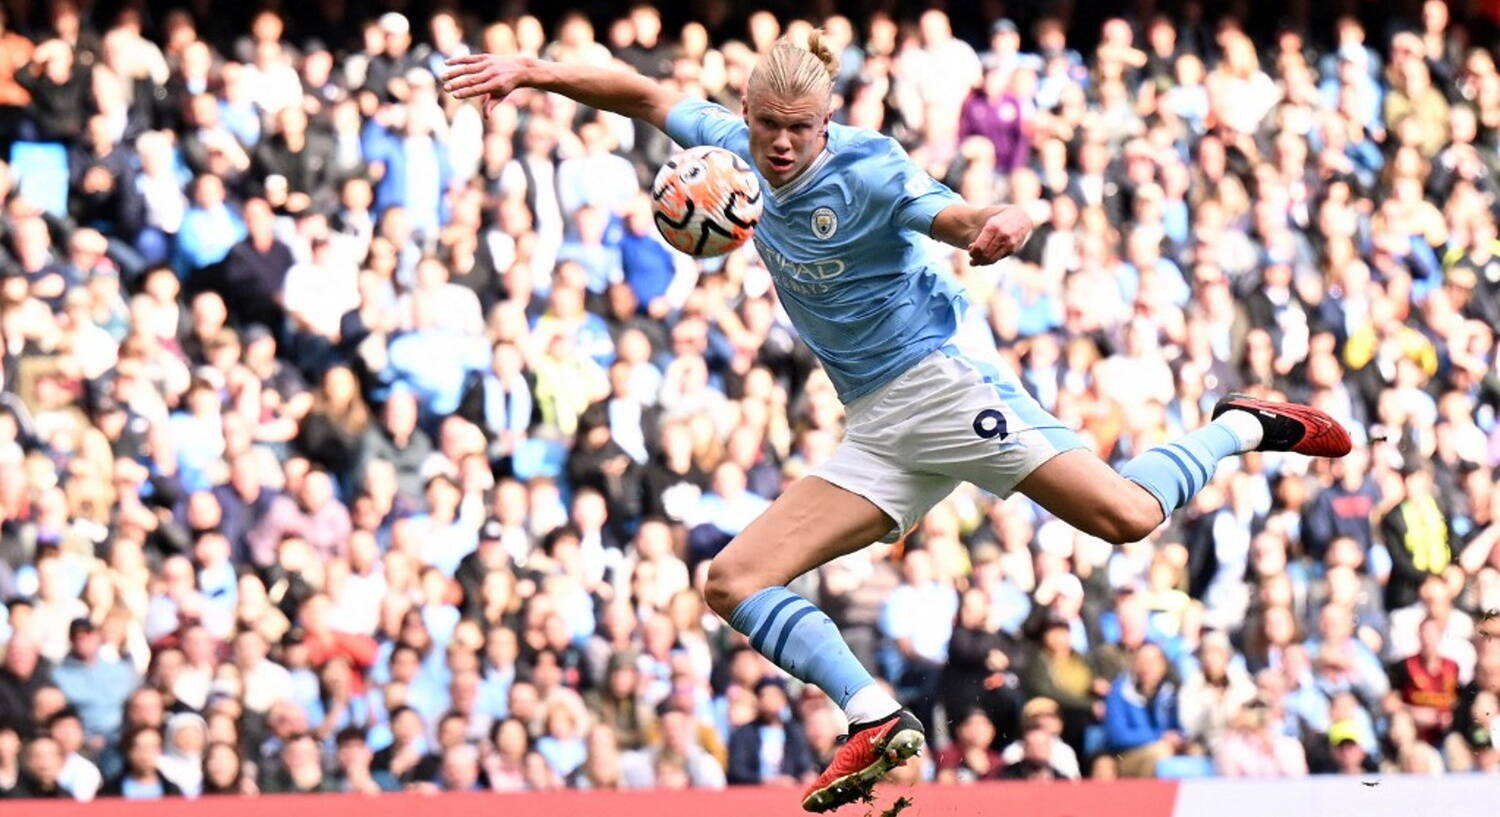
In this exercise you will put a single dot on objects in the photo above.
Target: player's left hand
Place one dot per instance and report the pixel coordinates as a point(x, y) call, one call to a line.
point(1002, 234)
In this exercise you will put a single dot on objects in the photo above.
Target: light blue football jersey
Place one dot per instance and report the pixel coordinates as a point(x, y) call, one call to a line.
point(843, 242)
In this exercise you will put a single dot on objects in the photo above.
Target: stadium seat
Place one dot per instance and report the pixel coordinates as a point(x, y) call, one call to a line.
point(539, 458)
point(1184, 768)
point(41, 170)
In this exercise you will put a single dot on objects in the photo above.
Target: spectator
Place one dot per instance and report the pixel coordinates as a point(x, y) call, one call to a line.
point(1140, 715)
point(254, 271)
point(223, 771)
point(918, 621)
point(971, 757)
point(79, 776)
point(506, 768)
point(1214, 694)
point(141, 780)
point(769, 749)
point(21, 675)
point(96, 684)
point(1349, 756)
point(397, 440)
point(182, 761)
point(1428, 684)
point(1044, 714)
point(41, 774)
point(298, 770)
point(981, 668)
point(1416, 536)
point(1035, 762)
point(12, 785)
point(1251, 746)
point(1059, 673)
point(460, 770)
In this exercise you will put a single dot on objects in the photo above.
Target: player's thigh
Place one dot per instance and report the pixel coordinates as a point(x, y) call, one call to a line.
point(1082, 490)
point(814, 522)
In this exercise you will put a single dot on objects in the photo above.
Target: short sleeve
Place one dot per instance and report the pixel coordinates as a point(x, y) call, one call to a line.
point(918, 196)
point(696, 122)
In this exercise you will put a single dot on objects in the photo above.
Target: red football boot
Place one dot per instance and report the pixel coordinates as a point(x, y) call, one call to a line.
point(1291, 427)
point(867, 753)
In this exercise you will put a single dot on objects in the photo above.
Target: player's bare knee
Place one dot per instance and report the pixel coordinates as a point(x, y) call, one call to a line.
point(1131, 520)
point(725, 587)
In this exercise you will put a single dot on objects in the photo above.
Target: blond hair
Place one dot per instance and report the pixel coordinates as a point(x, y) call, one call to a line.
point(791, 71)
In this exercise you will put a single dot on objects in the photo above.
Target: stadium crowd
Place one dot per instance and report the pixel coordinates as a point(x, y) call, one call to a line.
point(352, 442)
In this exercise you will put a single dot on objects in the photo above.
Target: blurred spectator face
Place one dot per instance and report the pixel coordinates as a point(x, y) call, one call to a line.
point(770, 702)
point(44, 761)
point(460, 769)
point(21, 656)
point(397, 33)
point(1149, 666)
point(400, 415)
point(1430, 637)
point(68, 732)
point(406, 727)
point(1349, 757)
point(267, 27)
point(301, 757)
point(446, 34)
point(464, 690)
point(1036, 747)
point(143, 753)
point(46, 702)
point(976, 731)
point(917, 568)
point(1214, 657)
point(524, 701)
point(259, 221)
point(511, 740)
point(178, 578)
point(85, 642)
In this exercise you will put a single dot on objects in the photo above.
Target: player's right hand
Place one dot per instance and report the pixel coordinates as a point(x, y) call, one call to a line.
point(488, 75)
point(1002, 234)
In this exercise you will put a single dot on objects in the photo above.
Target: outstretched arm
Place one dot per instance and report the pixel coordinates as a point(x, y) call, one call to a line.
point(988, 233)
point(493, 77)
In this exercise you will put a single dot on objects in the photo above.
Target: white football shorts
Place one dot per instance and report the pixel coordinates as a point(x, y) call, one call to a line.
point(958, 415)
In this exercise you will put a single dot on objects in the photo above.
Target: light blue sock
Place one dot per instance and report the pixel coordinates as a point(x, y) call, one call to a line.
point(801, 639)
point(1173, 473)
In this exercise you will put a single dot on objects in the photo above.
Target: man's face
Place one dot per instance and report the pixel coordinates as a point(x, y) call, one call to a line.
point(85, 644)
point(771, 702)
point(785, 134)
point(353, 754)
point(44, 761)
point(20, 657)
point(1038, 746)
point(68, 733)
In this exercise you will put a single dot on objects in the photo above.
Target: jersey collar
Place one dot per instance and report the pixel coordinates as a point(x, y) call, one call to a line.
point(797, 185)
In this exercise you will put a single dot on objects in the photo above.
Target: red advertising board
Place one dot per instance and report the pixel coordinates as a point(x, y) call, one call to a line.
point(1090, 799)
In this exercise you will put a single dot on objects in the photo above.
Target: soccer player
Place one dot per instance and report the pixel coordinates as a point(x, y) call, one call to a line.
point(928, 403)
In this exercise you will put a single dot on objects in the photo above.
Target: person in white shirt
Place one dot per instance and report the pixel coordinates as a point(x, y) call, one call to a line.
point(318, 291)
point(445, 306)
point(80, 777)
point(1044, 713)
point(265, 681)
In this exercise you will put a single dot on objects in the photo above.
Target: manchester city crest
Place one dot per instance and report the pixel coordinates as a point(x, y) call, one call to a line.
point(824, 223)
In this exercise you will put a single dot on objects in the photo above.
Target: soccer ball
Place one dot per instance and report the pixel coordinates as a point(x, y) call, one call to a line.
point(706, 201)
